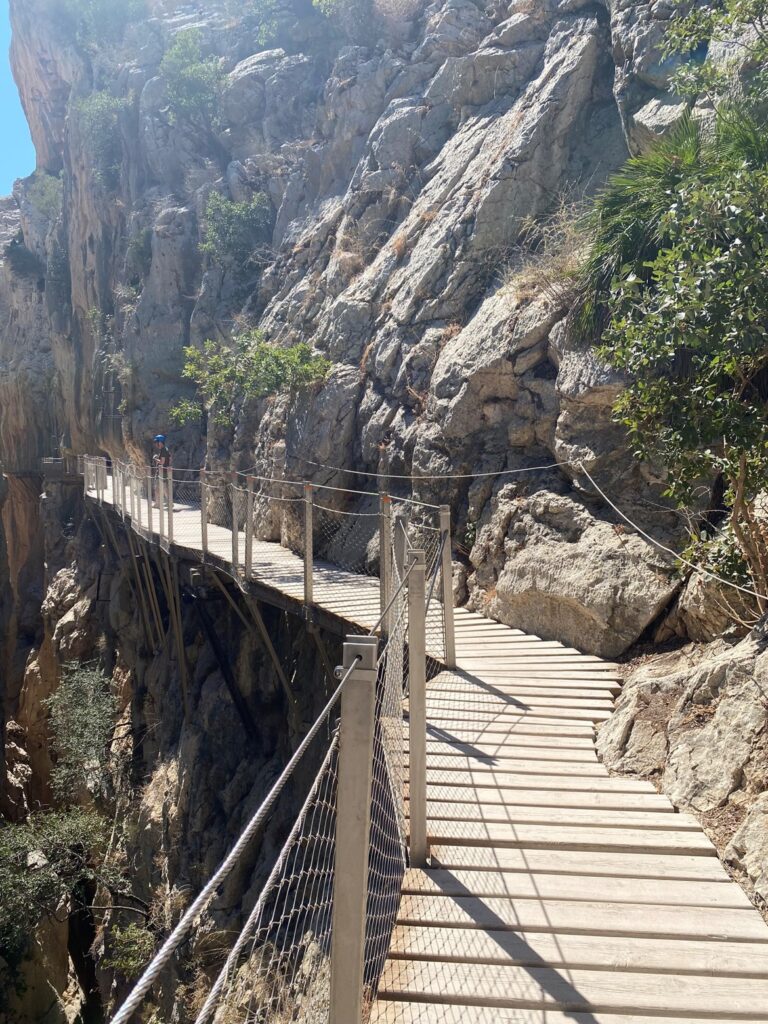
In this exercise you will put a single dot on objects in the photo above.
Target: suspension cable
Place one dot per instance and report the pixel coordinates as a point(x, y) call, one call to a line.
point(663, 547)
point(436, 476)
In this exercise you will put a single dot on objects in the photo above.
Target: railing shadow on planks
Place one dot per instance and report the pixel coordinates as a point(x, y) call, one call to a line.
point(314, 944)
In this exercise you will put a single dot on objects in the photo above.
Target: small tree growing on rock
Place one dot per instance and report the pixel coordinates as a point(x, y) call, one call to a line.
point(248, 369)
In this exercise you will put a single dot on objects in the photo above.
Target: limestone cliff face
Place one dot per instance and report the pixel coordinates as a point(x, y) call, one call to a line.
point(403, 169)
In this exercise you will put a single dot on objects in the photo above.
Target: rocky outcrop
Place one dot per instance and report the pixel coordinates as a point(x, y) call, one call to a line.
point(402, 170)
point(696, 722)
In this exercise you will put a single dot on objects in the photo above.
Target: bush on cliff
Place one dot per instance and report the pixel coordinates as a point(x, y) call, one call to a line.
point(248, 369)
point(193, 82)
point(677, 287)
point(742, 25)
point(42, 863)
point(82, 717)
point(234, 231)
point(99, 118)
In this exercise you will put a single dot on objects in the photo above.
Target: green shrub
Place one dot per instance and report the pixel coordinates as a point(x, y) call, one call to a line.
point(58, 279)
point(355, 18)
point(138, 255)
point(263, 16)
point(130, 950)
point(234, 231)
point(250, 368)
point(99, 117)
point(193, 82)
point(41, 862)
point(45, 194)
point(82, 711)
point(695, 25)
point(22, 260)
point(680, 271)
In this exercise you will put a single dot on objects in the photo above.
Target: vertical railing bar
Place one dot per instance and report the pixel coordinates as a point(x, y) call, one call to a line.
point(417, 709)
point(385, 561)
point(235, 536)
point(152, 500)
point(308, 544)
point(160, 501)
point(249, 529)
point(169, 478)
point(204, 510)
point(353, 821)
point(447, 574)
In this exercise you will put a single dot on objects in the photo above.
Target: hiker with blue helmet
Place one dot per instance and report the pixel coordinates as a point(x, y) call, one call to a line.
point(161, 463)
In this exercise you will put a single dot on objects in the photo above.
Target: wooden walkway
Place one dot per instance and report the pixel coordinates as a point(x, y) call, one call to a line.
point(556, 893)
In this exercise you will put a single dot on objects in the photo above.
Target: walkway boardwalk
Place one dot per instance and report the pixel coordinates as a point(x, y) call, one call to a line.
point(555, 892)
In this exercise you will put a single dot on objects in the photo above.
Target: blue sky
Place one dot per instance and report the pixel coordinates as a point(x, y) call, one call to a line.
point(17, 157)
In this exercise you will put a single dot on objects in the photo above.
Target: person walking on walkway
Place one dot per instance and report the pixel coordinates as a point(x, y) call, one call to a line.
point(161, 465)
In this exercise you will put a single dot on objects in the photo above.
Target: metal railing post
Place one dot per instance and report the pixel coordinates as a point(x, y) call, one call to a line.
point(123, 489)
point(169, 492)
point(308, 544)
point(204, 510)
point(353, 821)
point(399, 542)
point(160, 498)
point(417, 709)
point(235, 532)
point(385, 561)
point(447, 574)
point(152, 498)
point(139, 498)
point(249, 529)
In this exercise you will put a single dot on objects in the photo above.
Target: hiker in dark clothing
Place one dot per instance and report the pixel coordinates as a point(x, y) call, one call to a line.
point(161, 465)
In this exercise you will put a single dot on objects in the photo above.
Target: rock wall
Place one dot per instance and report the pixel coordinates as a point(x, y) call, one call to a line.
point(695, 721)
point(404, 167)
point(186, 771)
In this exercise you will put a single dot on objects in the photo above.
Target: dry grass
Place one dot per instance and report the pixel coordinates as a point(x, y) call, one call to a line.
point(449, 332)
point(365, 359)
point(400, 244)
point(549, 256)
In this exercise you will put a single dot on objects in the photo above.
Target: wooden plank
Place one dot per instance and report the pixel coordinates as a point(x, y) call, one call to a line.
point(549, 695)
point(498, 753)
point(629, 953)
point(588, 918)
point(511, 740)
point(602, 863)
point(611, 991)
point(396, 1011)
point(541, 733)
point(527, 711)
point(511, 814)
point(465, 798)
point(460, 762)
point(589, 888)
point(507, 778)
point(568, 837)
